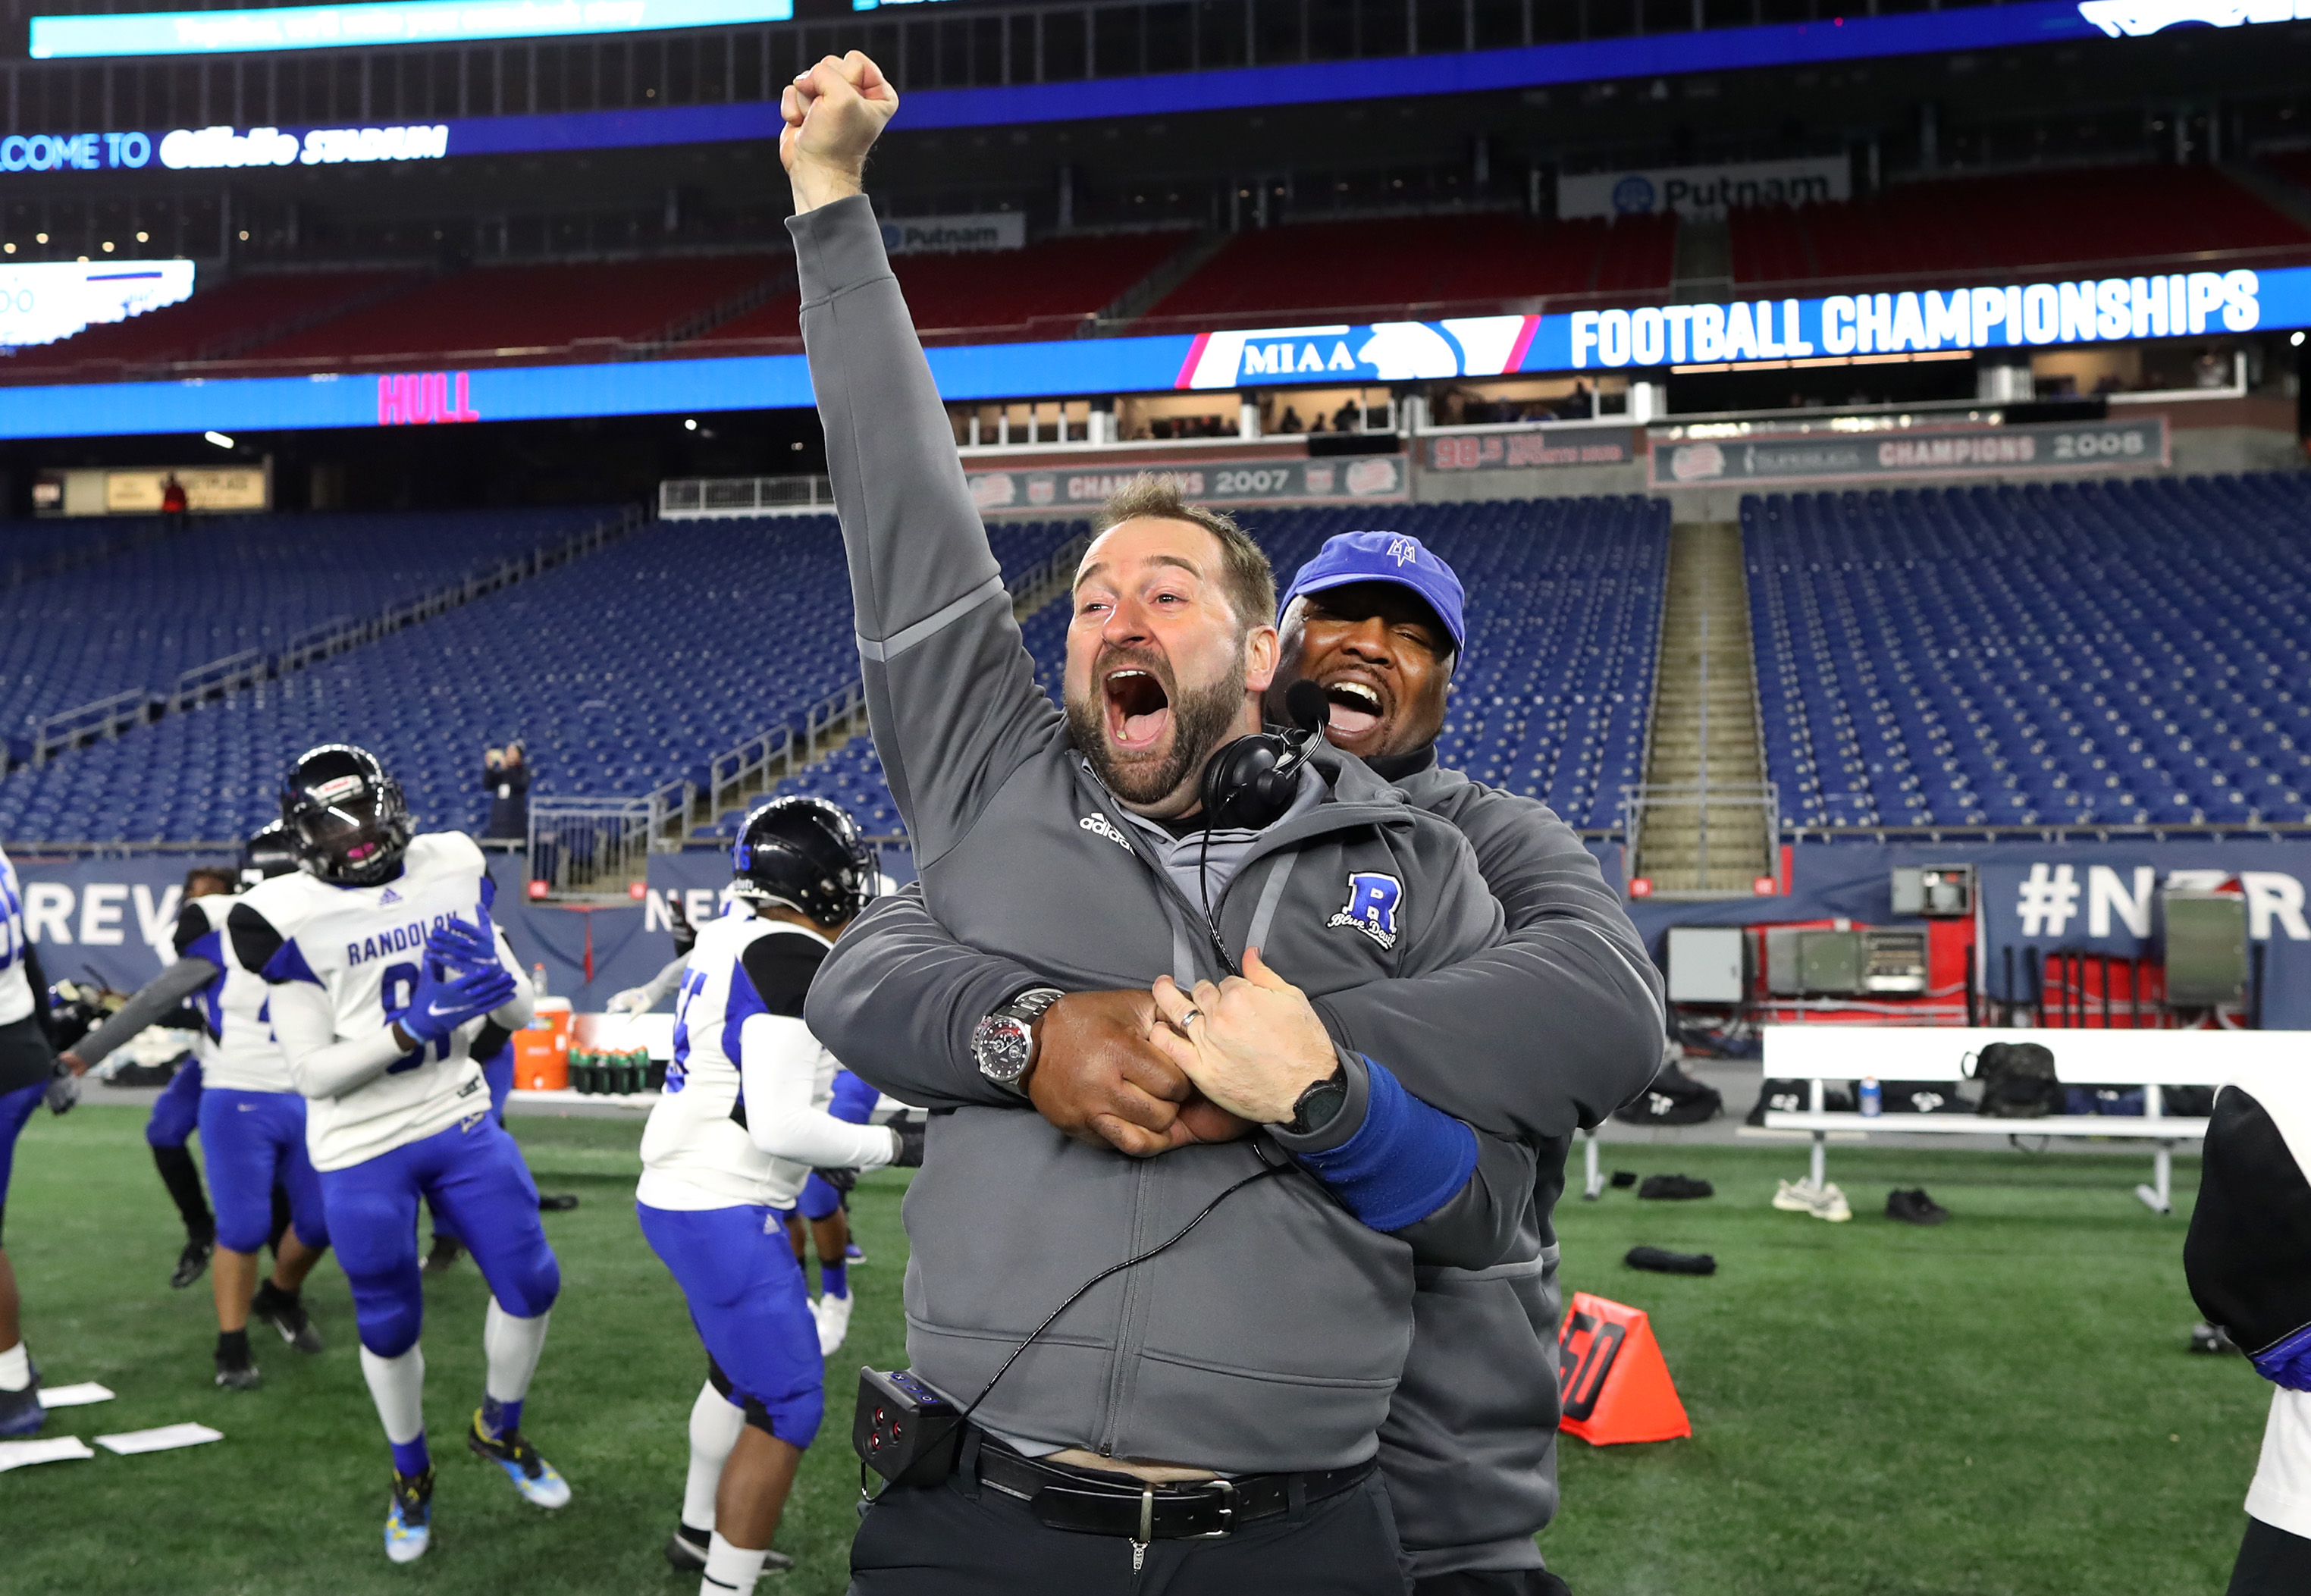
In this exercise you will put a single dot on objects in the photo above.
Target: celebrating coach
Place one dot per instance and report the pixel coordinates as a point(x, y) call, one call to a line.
point(1208, 1415)
point(1469, 1451)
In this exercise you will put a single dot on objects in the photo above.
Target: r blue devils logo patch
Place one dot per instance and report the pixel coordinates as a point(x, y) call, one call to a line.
point(1371, 905)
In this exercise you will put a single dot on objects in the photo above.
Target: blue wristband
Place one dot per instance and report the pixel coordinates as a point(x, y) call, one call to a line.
point(2287, 1362)
point(1406, 1161)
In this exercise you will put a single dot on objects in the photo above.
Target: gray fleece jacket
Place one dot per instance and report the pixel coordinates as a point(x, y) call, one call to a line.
point(1543, 1035)
point(1271, 1338)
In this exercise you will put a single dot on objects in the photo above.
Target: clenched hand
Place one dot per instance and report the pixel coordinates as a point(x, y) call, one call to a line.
point(834, 113)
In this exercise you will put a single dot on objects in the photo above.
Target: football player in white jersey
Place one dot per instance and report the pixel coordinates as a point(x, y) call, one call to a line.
point(743, 1122)
point(384, 968)
point(28, 1074)
point(252, 1122)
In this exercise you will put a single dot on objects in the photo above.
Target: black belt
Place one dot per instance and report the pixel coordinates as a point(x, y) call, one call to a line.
point(1094, 1503)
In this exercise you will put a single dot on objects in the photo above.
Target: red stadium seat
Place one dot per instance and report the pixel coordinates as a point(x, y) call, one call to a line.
point(217, 322)
point(2012, 225)
point(528, 313)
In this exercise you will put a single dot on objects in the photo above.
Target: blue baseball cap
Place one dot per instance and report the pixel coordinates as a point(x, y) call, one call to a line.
point(1384, 557)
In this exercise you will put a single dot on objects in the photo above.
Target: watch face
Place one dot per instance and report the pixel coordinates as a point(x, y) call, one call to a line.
point(1001, 1045)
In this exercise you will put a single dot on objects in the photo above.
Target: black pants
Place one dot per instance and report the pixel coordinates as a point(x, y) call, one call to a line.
point(963, 1539)
point(1492, 1582)
point(2271, 1563)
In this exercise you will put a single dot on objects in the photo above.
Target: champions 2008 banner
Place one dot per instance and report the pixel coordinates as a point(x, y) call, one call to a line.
point(2049, 447)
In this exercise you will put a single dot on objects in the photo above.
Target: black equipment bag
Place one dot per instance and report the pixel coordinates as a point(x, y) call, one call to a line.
point(1675, 1098)
point(2017, 1081)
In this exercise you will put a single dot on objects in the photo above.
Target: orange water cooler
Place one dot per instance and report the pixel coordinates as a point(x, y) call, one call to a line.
point(541, 1052)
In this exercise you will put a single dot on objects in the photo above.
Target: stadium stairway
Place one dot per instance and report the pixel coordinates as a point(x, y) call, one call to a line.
point(1705, 820)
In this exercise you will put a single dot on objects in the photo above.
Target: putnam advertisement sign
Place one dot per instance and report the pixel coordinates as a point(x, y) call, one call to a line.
point(1706, 191)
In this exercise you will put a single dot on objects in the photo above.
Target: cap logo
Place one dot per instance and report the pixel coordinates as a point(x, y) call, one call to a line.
point(1404, 551)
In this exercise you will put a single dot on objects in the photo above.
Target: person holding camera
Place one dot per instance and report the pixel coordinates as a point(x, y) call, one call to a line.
point(1205, 1407)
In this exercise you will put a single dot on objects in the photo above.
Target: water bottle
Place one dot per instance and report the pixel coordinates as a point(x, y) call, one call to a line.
point(1873, 1101)
point(537, 979)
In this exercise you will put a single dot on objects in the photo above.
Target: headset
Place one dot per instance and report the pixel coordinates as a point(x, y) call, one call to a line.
point(1248, 786)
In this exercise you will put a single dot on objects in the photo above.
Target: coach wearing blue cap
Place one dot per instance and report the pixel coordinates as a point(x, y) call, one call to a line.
point(1535, 1038)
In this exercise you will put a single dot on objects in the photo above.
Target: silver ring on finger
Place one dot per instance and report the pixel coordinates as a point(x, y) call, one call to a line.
point(1190, 1017)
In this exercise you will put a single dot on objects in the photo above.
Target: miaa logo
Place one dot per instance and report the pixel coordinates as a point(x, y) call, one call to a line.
point(1372, 906)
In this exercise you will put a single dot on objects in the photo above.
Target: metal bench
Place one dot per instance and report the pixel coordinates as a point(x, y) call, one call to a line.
point(1818, 1054)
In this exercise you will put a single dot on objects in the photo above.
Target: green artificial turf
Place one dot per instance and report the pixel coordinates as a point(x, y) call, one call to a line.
point(2000, 1405)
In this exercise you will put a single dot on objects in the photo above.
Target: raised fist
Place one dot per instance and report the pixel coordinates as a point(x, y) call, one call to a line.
point(834, 113)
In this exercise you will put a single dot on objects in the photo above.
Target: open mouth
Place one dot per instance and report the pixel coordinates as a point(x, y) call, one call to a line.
point(1138, 710)
point(1355, 708)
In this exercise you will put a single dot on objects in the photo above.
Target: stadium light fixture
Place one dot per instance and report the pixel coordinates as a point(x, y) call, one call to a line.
point(219, 439)
point(2297, 340)
point(690, 424)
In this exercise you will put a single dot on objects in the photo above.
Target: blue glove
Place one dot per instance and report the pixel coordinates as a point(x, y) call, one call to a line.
point(467, 946)
point(444, 1001)
point(2287, 1363)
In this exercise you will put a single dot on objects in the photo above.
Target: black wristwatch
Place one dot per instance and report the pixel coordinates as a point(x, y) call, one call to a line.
point(1003, 1044)
point(1319, 1104)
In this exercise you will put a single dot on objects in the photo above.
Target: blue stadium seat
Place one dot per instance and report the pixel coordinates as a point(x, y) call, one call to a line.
point(2072, 654)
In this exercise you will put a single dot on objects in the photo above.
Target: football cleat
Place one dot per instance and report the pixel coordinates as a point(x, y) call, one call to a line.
point(446, 1251)
point(686, 1550)
point(21, 1412)
point(853, 1254)
point(193, 1263)
point(286, 1312)
point(238, 1374)
point(532, 1476)
point(409, 1525)
point(834, 1316)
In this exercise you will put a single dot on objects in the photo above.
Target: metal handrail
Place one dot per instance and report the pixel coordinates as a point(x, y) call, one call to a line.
point(709, 498)
point(220, 677)
point(103, 717)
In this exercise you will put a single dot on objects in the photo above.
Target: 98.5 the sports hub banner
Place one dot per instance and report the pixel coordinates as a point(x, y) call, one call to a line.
point(1800, 458)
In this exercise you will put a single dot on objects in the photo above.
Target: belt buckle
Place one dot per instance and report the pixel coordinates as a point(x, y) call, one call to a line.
point(1227, 1512)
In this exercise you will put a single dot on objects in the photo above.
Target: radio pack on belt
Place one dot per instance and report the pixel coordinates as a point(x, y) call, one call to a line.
point(905, 1431)
point(909, 1433)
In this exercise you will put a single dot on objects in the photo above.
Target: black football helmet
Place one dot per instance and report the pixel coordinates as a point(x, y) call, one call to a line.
point(804, 854)
point(344, 816)
point(270, 852)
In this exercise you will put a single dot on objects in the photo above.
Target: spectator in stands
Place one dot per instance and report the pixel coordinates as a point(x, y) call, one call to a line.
point(1291, 422)
point(2211, 371)
point(1346, 419)
point(175, 503)
point(1579, 405)
point(506, 774)
point(1317, 425)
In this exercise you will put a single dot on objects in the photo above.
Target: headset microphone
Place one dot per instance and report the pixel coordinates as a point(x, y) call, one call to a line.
point(1250, 783)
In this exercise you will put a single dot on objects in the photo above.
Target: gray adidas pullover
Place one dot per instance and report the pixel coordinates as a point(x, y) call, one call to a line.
point(1272, 1338)
point(1541, 1037)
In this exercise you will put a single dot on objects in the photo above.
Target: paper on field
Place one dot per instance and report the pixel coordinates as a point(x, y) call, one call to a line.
point(165, 1439)
point(73, 1396)
point(55, 1449)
